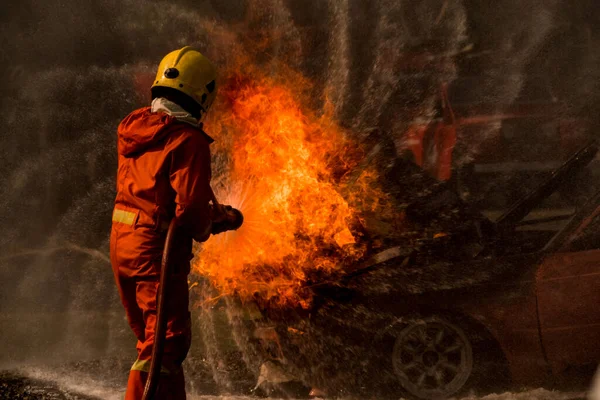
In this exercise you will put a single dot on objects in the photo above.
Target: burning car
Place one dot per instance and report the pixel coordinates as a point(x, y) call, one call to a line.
point(432, 315)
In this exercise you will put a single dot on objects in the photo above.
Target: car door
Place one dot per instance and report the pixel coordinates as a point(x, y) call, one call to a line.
point(568, 292)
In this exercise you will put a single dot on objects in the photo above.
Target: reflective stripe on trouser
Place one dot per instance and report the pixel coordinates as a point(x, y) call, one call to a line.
point(144, 366)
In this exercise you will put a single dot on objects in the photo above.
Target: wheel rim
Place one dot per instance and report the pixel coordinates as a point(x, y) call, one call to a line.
point(433, 358)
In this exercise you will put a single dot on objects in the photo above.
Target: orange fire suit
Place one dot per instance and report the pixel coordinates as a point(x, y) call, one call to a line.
point(164, 172)
point(432, 146)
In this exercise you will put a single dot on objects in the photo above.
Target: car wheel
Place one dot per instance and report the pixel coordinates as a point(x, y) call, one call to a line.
point(432, 358)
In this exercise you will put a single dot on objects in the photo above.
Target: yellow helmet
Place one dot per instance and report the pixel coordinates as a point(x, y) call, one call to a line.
point(188, 71)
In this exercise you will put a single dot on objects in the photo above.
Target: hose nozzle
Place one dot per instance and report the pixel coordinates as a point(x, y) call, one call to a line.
point(235, 218)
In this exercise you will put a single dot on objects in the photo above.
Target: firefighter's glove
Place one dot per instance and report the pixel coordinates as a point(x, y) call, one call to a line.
point(225, 218)
point(219, 227)
point(218, 212)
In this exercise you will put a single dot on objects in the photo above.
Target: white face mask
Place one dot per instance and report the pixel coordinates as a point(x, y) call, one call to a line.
point(160, 104)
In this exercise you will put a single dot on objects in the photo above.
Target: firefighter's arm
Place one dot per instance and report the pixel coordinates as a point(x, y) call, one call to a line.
point(190, 176)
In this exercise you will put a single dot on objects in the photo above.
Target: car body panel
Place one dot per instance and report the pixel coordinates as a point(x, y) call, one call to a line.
point(512, 320)
point(569, 308)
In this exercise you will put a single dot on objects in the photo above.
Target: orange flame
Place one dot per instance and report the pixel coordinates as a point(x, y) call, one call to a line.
point(281, 164)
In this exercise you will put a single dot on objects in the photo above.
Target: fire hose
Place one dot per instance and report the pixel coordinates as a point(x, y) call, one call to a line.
point(233, 220)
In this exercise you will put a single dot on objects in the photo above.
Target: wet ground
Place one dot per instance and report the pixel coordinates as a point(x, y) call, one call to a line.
point(56, 384)
point(13, 385)
point(106, 380)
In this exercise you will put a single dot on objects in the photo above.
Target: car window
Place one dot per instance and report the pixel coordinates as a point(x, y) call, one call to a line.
point(587, 237)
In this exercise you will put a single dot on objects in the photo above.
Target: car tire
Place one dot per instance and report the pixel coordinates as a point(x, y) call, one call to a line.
point(438, 357)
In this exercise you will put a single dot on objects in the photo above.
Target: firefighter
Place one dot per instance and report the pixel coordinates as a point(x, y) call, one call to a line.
point(432, 145)
point(163, 173)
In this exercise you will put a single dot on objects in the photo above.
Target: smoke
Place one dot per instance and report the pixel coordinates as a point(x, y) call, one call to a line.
point(73, 69)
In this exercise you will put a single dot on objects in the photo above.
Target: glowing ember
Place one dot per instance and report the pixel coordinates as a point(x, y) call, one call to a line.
point(284, 174)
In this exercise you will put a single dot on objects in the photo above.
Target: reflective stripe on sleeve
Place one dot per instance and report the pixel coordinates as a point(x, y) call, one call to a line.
point(124, 217)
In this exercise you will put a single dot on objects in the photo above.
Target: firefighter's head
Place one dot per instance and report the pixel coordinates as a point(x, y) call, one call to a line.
point(187, 78)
